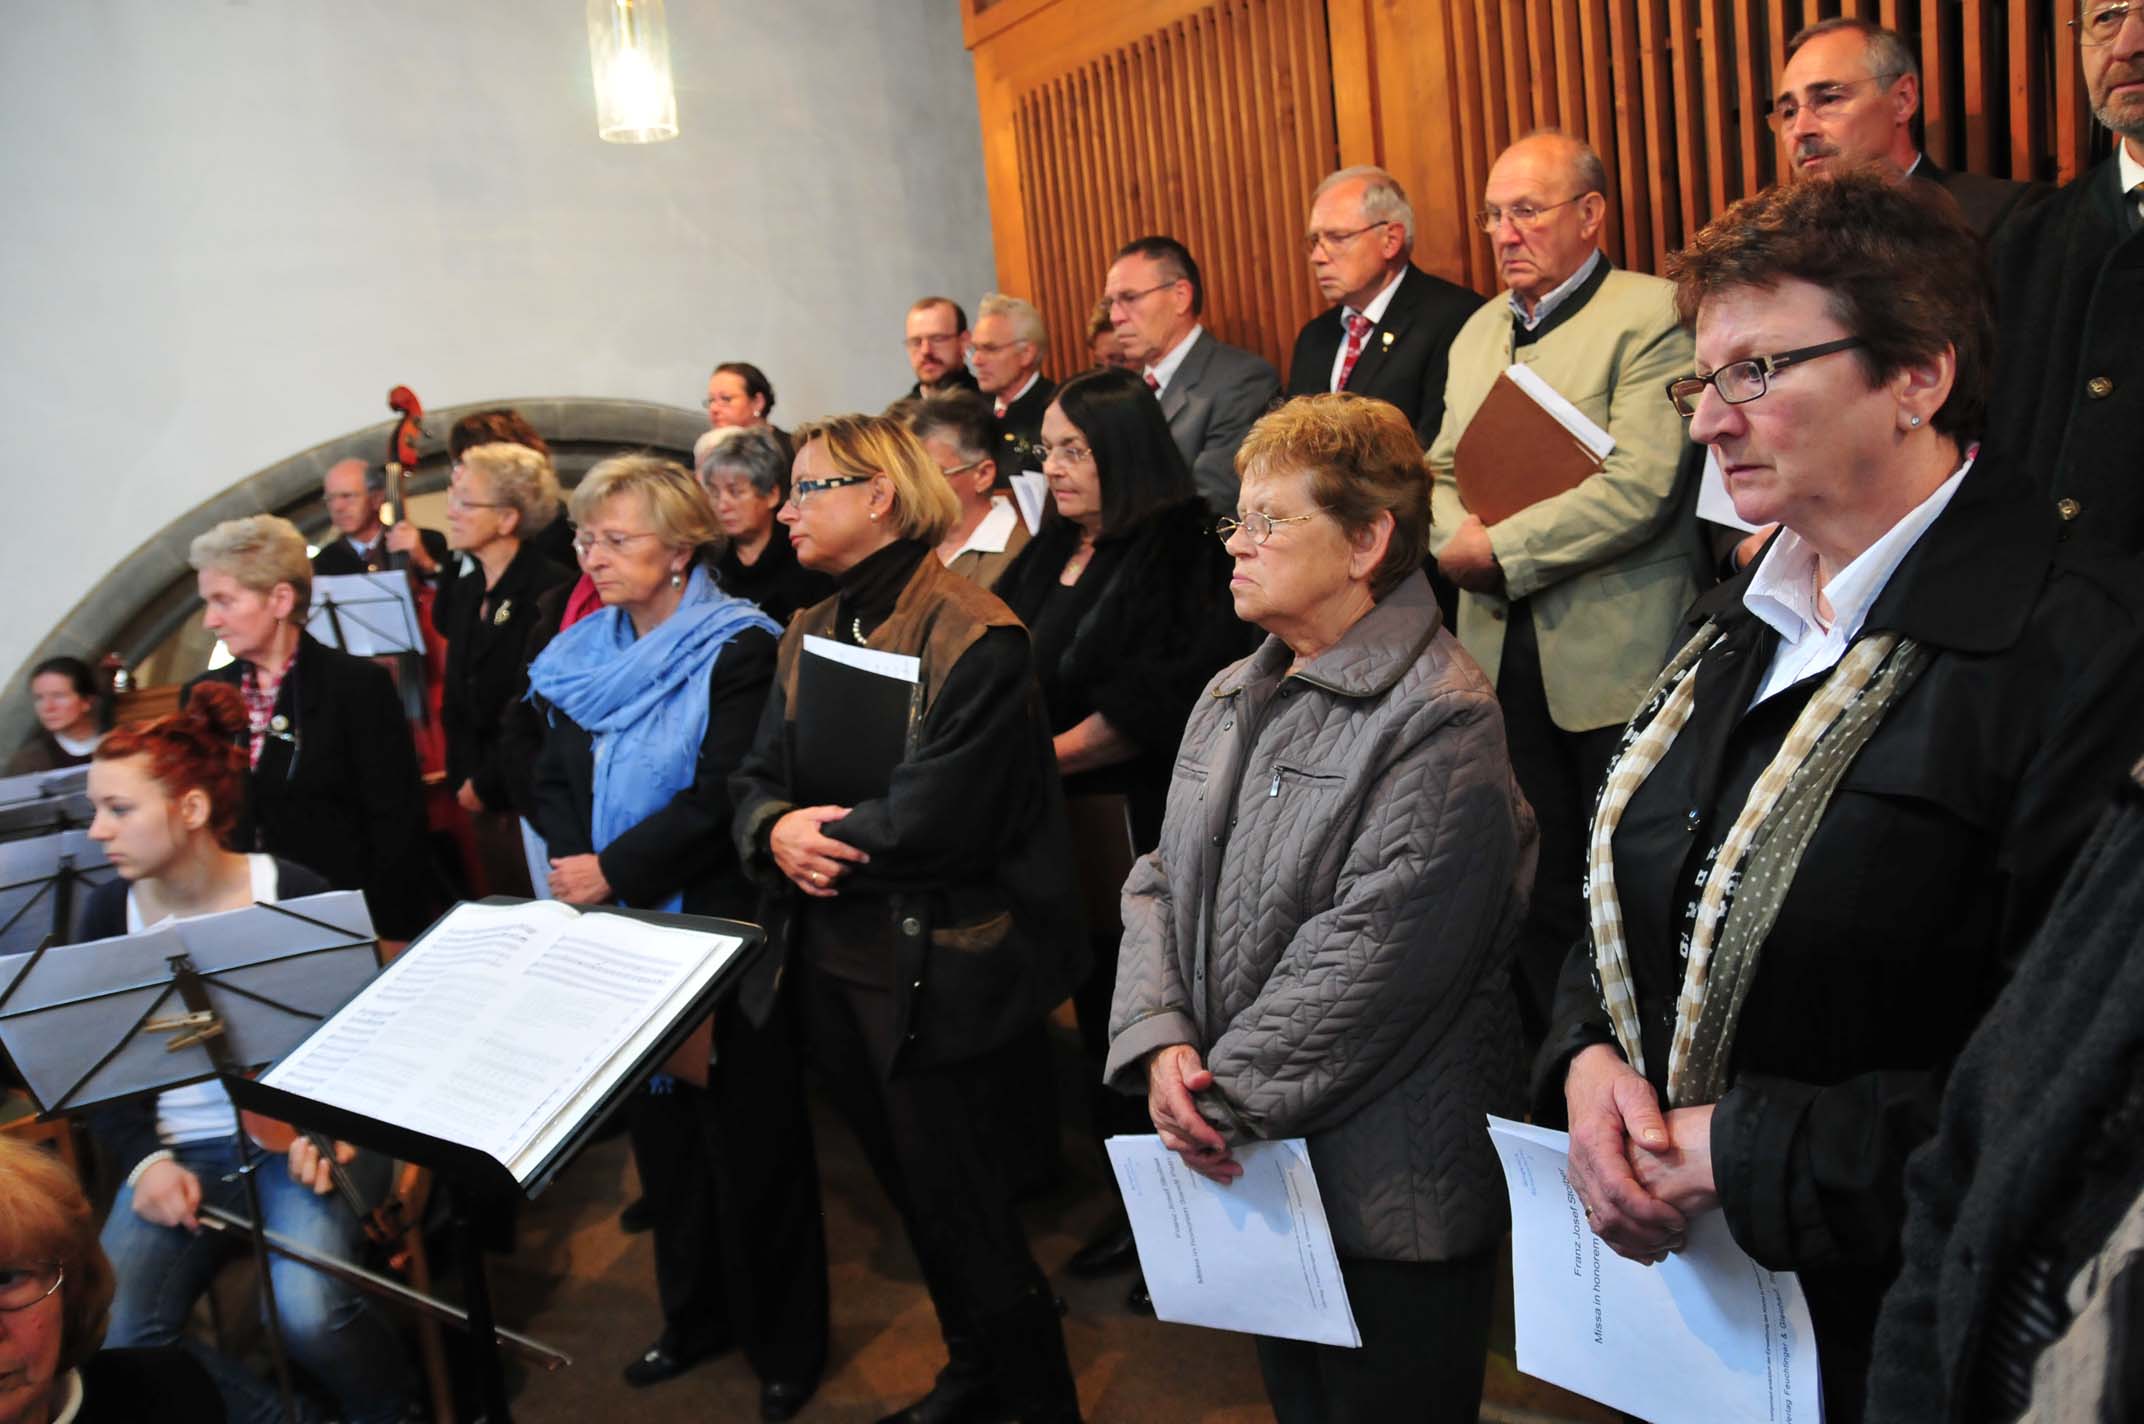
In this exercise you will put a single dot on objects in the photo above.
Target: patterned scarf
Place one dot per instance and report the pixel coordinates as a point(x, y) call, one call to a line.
point(1753, 868)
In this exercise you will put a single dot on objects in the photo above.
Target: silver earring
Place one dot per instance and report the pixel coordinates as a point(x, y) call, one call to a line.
point(874, 516)
point(677, 580)
point(1913, 420)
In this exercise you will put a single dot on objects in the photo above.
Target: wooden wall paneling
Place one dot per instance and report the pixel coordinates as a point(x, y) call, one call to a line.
point(1941, 134)
point(1476, 128)
point(1572, 111)
point(1633, 160)
point(1311, 154)
point(1660, 139)
point(1603, 104)
point(1756, 146)
point(1079, 166)
point(1723, 156)
point(2026, 90)
point(1695, 138)
point(1041, 283)
point(1512, 48)
point(1780, 23)
point(1418, 52)
point(1349, 33)
point(1068, 249)
point(1973, 89)
point(2072, 110)
point(1236, 159)
point(1887, 14)
point(1263, 190)
point(1544, 76)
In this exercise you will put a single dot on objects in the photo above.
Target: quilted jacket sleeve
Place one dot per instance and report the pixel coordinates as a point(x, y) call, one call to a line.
point(1420, 914)
point(1152, 1005)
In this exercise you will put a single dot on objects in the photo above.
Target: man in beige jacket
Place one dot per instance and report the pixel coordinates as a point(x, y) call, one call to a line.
point(1569, 605)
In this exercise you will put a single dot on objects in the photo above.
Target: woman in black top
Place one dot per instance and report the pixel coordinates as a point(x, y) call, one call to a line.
point(1125, 593)
point(746, 476)
point(501, 498)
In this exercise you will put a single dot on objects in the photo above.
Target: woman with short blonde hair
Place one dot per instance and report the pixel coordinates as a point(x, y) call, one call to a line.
point(257, 553)
point(676, 507)
point(866, 446)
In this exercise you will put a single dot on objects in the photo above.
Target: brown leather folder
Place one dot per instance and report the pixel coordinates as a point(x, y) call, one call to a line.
point(1515, 454)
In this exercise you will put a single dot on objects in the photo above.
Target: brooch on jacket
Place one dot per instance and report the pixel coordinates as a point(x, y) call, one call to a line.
point(504, 611)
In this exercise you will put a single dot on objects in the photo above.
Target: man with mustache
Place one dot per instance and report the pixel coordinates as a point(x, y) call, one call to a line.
point(2068, 398)
point(938, 348)
point(1848, 97)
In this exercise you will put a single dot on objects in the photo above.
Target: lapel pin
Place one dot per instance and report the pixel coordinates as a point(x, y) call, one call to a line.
point(1388, 341)
point(278, 723)
point(505, 611)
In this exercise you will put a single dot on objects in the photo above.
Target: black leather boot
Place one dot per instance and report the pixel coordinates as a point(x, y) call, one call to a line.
point(964, 1393)
point(1028, 1364)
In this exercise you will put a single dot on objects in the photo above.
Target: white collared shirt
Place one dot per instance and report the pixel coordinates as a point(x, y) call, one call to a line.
point(2131, 169)
point(1783, 591)
point(994, 533)
point(1375, 311)
point(70, 1399)
point(1164, 370)
point(1555, 298)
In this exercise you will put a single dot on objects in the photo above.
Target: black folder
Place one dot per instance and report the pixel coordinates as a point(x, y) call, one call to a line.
point(851, 730)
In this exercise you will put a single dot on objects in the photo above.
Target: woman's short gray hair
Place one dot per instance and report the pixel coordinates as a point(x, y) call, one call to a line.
point(518, 478)
point(259, 552)
point(756, 453)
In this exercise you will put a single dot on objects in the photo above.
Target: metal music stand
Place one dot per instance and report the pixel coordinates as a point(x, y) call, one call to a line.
point(43, 885)
point(44, 803)
point(216, 995)
point(368, 615)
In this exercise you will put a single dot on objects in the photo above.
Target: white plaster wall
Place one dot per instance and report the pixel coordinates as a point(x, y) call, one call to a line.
point(231, 225)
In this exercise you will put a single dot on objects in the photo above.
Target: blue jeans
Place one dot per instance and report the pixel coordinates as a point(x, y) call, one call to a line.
point(330, 1328)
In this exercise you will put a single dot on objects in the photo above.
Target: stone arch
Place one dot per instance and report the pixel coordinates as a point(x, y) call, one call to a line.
point(142, 600)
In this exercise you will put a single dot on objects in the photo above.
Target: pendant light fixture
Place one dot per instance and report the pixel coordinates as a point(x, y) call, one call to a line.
point(629, 48)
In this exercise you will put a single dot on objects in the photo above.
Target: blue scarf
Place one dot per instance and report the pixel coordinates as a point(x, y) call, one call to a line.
point(642, 700)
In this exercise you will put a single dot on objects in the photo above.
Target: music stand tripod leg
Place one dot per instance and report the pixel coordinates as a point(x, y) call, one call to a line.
point(476, 1299)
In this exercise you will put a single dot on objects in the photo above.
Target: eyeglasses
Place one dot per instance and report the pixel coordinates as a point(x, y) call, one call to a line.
point(1742, 381)
point(801, 492)
point(1260, 526)
point(24, 1286)
point(458, 501)
point(2101, 23)
point(1523, 215)
point(1068, 452)
point(1331, 242)
point(992, 348)
point(917, 343)
point(611, 539)
point(951, 470)
point(1826, 101)
point(1113, 300)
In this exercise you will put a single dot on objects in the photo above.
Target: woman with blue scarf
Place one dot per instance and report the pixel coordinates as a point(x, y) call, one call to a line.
point(650, 703)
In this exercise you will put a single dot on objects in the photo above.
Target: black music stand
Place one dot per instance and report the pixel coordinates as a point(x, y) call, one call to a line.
point(482, 1178)
point(44, 803)
point(43, 888)
point(367, 615)
point(217, 995)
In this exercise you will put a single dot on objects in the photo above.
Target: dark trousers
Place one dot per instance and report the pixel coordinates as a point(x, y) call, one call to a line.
point(1110, 1113)
point(1425, 1341)
point(1560, 772)
point(732, 1185)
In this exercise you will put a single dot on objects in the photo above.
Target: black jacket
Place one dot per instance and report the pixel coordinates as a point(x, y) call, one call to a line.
point(1136, 639)
point(1020, 429)
point(1985, 203)
point(685, 847)
point(959, 376)
point(1938, 854)
point(1404, 359)
point(487, 635)
point(125, 1132)
point(777, 583)
point(338, 791)
point(337, 557)
point(2067, 403)
point(2037, 1094)
point(164, 1383)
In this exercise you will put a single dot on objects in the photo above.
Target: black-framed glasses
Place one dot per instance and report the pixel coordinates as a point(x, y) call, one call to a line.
point(2101, 23)
point(1113, 300)
point(1522, 215)
point(1742, 381)
point(1824, 101)
point(1332, 241)
point(1260, 526)
point(801, 492)
point(24, 1286)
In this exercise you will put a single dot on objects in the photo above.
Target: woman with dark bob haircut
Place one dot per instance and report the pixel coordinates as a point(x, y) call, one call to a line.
point(1126, 596)
point(1855, 788)
point(1348, 782)
point(56, 1298)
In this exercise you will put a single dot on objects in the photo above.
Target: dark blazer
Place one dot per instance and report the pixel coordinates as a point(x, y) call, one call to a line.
point(1136, 639)
point(1404, 359)
point(339, 791)
point(125, 1132)
point(337, 557)
point(685, 847)
point(1931, 864)
point(1020, 429)
point(42, 752)
point(555, 540)
point(1986, 203)
point(2034, 1112)
point(959, 376)
point(163, 1383)
point(2067, 402)
point(777, 583)
point(487, 640)
point(1210, 402)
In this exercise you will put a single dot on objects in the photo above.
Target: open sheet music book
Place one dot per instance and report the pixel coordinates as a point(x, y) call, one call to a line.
point(505, 1026)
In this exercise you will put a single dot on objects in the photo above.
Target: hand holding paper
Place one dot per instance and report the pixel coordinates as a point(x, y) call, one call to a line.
point(1173, 1074)
point(1610, 1107)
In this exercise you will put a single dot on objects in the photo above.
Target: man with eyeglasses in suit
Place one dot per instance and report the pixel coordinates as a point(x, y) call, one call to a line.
point(2067, 404)
point(1849, 95)
point(1569, 605)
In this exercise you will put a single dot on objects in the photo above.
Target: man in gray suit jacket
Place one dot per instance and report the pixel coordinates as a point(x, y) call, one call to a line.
point(1210, 392)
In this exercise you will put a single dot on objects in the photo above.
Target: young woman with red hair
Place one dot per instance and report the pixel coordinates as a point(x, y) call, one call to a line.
point(167, 798)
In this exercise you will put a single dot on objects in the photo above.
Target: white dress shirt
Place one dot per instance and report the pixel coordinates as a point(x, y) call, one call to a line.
point(2132, 171)
point(1783, 591)
point(1375, 311)
point(990, 536)
point(1164, 370)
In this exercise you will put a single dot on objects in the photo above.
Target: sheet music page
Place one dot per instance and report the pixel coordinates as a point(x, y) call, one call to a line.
point(488, 1028)
point(1569, 416)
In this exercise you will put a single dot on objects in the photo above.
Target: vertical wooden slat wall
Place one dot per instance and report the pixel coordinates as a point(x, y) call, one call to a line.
point(1214, 119)
point(1213, 128)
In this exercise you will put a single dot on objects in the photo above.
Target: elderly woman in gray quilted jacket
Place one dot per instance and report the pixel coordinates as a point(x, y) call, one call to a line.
point(1319, 945)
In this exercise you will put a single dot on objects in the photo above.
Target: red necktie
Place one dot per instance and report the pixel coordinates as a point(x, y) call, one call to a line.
point(1000, 411)
point(1152, 384)
point(1358, 331)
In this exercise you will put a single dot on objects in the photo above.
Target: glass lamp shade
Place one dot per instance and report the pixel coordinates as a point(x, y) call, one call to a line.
point(629, 49)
